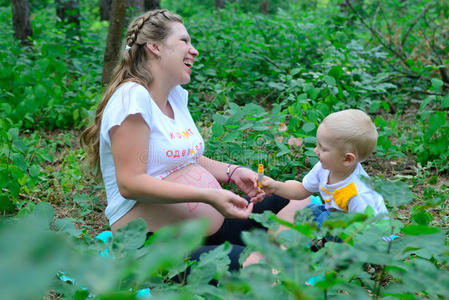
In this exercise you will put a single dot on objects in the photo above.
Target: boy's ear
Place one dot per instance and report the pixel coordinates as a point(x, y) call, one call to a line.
point(154, 48)
point(349, 158)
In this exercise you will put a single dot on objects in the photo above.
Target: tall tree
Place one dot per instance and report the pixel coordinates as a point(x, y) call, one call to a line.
point(264, 6)
point(68, 12)
point(113, 42)
point(21, 21)
point(105, 9)
point(137, 5)
point(219, 4)
point(152, 4)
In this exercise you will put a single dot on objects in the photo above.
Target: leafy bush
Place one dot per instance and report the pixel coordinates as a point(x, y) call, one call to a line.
point(362, 266)
point(54, 83)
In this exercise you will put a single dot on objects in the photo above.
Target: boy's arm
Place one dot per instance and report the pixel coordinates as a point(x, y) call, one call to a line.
point(290, 189)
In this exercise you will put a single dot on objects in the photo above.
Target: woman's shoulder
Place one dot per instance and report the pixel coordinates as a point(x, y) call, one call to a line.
point(132, 88)
point(128, 93)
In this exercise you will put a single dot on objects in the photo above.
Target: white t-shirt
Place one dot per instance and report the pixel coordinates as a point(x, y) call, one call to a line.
point(350, 195)
point(174, 143)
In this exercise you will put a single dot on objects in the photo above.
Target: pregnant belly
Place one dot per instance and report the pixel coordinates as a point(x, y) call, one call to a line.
point(159, 215)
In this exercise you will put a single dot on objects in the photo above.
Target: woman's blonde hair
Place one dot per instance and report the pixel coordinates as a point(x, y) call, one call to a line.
point(354, 130)
point(153, 26)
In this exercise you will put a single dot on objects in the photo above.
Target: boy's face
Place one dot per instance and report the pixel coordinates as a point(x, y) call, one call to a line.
point(328, 150)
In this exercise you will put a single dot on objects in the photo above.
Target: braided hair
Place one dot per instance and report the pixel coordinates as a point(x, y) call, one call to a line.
point(152, 26)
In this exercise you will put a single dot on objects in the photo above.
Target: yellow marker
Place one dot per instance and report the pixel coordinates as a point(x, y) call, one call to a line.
point(260, 175)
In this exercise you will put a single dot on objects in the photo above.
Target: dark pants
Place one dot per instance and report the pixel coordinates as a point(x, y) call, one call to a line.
point(232, 229)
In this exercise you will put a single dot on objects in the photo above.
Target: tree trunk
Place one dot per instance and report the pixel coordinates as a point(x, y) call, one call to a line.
point(219, 4)
point(152, 4)
point(137, 6)
point(264, 6)
point(113, 42)
point(21, 21)
point(68, 12)
point(105, 9)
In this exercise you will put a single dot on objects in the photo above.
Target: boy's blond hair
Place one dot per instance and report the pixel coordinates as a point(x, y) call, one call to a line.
point(354, 130)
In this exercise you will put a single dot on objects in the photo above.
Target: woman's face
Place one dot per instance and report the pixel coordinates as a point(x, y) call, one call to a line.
point(178, 54)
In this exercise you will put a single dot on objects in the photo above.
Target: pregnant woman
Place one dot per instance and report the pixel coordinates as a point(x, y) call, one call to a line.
point(150, 153)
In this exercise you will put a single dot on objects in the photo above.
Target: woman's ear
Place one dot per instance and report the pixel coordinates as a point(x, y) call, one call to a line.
point(154, 48)
point(350, 158)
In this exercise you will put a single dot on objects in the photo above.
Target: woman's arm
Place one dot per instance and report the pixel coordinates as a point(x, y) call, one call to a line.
point(217, 168)
point(129, 143)
point(244, 178)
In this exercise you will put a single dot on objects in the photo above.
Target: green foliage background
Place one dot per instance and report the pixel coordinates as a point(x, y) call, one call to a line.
point(260, 82)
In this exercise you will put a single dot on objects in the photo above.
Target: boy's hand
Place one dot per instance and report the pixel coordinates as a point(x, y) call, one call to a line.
point(246, 180)
point(269, 185)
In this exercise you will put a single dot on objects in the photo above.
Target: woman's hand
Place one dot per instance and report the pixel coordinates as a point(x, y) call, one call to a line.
point(229, 204)
point(246, 180)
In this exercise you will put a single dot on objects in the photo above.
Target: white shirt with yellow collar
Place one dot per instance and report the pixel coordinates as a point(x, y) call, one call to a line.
point(348, 195)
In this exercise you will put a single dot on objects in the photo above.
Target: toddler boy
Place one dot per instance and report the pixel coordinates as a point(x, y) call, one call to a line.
point(344, 140)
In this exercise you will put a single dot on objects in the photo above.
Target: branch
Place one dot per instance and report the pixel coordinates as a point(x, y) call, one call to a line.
point(375, 14)
point(414, 23)
point(273, 63)
point(34, 199)
point(390, 104)
point(378, 36)
point(390, 31)
point(443, 70)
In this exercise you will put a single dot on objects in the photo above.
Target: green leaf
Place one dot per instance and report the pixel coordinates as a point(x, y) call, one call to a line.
point(310, 140)
point(395, 193)
point(419, 230)
point(22, 180)
point(234, 107)
point(422, 218)
point(437, 84)
point(231, 137)
point(437, 120)
point(31, 257)
point(40, 93)
point(308, 127)
point(131, 237)
point(13, 133)
point(266, 219)
point(81, 295)
point(34, 171)
point(19, 160)
point(44, 211)
point(5, 203)
point(67, 225)
point(219, 119)
point(284, 149)
point(295, 71)
point(261, 127)
point(329, 80)
point(217, 129)
point(336, 72)
point(211, 265)
point(426, 101)
point(445, 101)
point(374, 106)
point(80, 198)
